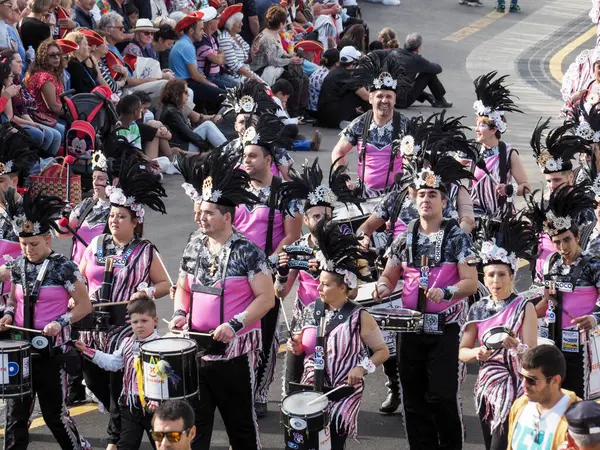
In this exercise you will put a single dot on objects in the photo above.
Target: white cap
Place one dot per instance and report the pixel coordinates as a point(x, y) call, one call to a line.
point(210, 13)
point(349, 54)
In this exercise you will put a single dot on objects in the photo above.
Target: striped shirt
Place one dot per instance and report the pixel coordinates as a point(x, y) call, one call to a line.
point(105, 73)
point(208, 47)
point(236, 50)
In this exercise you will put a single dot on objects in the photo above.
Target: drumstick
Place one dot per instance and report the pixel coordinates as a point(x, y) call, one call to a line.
point(194, 333)
point(164, 268)
point(321, 397)
point(31, 330)
point(102, 305)
point(287, 324)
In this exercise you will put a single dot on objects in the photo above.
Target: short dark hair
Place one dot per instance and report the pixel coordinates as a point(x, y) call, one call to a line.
point(173, 410)
point(130, 8)
point(375, 45)
point(548, 358)
point(142, 304)
point(143, 96)
point(330, 57)
point(166, 32)
point(128, 104)
point(226, 209)
point(283, 86)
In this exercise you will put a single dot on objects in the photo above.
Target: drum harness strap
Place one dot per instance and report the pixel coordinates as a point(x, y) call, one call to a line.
point(364, 140)
point(82, 217)
point(272, 204)
point(208, 345)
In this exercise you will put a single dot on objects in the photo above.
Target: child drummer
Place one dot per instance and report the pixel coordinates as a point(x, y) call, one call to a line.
point(136, 413)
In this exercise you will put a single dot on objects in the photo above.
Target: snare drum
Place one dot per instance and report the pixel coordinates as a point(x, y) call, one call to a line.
point(305, 427)
point(94, 321)
point(15, 374)
point(170, 369)
point(494, 337)
point(400, 320)
point(351, 216)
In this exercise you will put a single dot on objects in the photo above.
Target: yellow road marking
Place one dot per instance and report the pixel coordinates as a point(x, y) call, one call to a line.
point(474, 27)
point(74, 411)
point(557, 60)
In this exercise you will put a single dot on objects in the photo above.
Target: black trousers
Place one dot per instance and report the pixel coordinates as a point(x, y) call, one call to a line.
point(134, 422)
point(390, 368)
point(297, 102)
point(332, 114)
point(575, 373)
point(107, 387)
point(265, 370)
point(338, 439)
point(429, 379)
point(50, 387)
point(226, 385)
point(207, 98)
point(498, 440)
point(294, 368)
point(424, 80)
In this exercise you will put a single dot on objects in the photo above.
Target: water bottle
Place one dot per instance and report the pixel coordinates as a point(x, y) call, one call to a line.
point(30, 54)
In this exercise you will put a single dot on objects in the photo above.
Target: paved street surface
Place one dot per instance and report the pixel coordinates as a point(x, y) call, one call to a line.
point(467, 42)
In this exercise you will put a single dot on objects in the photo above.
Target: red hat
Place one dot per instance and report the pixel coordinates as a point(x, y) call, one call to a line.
point(93, 38)
point(309, 46)
point(67, 46)
point(189, 20)
point(228, 12)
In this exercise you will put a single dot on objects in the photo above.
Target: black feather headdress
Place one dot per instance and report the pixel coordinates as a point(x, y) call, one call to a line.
point(18, 152)
point(215, 179)
point(251, 97)
point(389, 75)
point(137, 187)
point(505, 240)
point(114, 151)
point(342, 254)
point(493, 99)
point(588, 122)
point(267, 133)
point(308, 186)
point(559, 149)
point(34, 214)
point(559, 213)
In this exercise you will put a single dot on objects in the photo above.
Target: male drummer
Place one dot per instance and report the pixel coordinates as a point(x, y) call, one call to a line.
point(377, 162)
point(432, 256)
point(224, 288)
point(571, 281)
point(318, 202)
point(270, 229)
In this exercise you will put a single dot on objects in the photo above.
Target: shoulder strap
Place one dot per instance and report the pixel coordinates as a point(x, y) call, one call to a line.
point(393, 154)
point(503, 162)
point(272, 204)
point(548, 264)
point(585, 233)
point(364, 138)
point(411, 241)
point(84, 213)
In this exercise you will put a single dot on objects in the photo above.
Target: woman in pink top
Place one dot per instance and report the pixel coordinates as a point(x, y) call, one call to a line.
point(498, 383)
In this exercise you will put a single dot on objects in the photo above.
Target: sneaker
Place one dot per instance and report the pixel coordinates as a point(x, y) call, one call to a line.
point(429, 98)
point(76, 396)
point(260, 409)
point(443, 103)
point(474, 3)
point(391, 2)
point(315, 142)
point(391, 403)
point(500, 8)
point(514, 8)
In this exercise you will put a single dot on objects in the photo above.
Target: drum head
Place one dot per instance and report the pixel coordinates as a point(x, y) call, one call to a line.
point(168, 345)
point(494, 337)
point(12, 345)
point(396, 312)
point(544, 341)
point(297, 403)
point(364, 295)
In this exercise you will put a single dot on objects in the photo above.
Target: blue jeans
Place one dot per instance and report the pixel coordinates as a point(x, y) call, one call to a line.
point(209, 132)
point(47, 138)
point(224, 81)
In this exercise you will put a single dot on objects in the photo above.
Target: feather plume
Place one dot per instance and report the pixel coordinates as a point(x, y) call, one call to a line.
point(34, 214)
point(494, 94)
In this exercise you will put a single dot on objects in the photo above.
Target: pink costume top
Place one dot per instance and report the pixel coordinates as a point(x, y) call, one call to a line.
point(10, 249)
point(91, 215)
point(483, 194)
point(308, 283)
point(244, 261)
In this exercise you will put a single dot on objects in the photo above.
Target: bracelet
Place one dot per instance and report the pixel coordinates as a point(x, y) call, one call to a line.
point(179, 313)
point(235, 325)
point(10, 313)
point(64, 320)
point(449, 292)
point(367, 364)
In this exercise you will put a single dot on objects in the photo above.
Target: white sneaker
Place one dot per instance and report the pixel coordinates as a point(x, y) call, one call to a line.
point(391, 2)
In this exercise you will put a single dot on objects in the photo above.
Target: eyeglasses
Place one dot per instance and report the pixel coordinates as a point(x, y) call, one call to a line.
point(119, 28)
point(172, 436)
point(531, 381)
point(53, 55)
point(147, 33)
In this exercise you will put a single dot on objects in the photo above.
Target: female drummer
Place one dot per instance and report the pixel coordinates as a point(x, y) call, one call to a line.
point(501, 314)
point(135, 264)
point(42, 306)
point(504, 176)
point(350, 330)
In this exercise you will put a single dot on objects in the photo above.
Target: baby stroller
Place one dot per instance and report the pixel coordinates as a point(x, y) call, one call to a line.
point(89, 118)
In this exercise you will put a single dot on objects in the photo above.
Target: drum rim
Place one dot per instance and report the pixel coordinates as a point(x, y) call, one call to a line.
point(304, 415)
point(184, 351)
point(173, 398)
point(23, 345)
point(417, 315)
point(492, 331)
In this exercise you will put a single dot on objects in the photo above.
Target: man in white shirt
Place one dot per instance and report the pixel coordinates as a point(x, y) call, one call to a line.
point(537, 420)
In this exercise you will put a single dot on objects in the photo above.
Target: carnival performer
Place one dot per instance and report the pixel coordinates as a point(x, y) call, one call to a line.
point(116, 265)
point(264, 224)
point(554, 160)
point(508, 319)
point(318, 201)
point(225, 287)
point(500, 174)
point(593, 242)
point(350, 331)
point(432, 256)
point(43, 282)
point(373, 132)
point(249, 101)
point(571, 281)
point(586, 120)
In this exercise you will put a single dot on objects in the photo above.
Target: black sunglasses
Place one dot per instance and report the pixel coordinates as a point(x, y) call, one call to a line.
point(172, 436)
point(530, 380)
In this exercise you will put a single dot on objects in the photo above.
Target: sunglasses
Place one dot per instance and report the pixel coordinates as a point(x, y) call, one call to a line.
point(147, 33)
point(119, 28)
point(172, 436)
point(530, 380)
point(53, 55)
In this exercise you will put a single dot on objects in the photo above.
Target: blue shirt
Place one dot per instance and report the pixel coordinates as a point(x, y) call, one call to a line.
point(15, 37)
point(182, 54)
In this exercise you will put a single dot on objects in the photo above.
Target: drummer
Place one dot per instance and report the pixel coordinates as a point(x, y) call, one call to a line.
point(432, 256)
point(498, 382)
point(377, 162)
point(351, 333)
point(48, 312)
point(318, 202)
point(136, 412)
point(504, 176)
point(219, 261)
point(571, 281)
point(267, 227)
point(136, 264)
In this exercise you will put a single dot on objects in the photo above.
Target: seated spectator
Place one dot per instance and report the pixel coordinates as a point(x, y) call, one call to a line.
point(342, 98)
point(537, 418)
point(98, 51)
point(358, 36)
point(141, 44)
point(183, 63)
point(132, 14)
point(233, 46)
point(375, 45)
point(66, 47)
point(84, 77)
point(270, 61)
point(583, 421)
point(163, 42)
point(422, 73)
point(210, 58)
point(329, 60)
point(325, 26)
point(83, 14)
point(13, 39)
point(387, 37)
point(44, 80)
point(173, 98)
point(34, 28)
point(64, 21)
point(151, 9)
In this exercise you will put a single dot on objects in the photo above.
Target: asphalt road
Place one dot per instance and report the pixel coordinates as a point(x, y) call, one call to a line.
point(482, 48)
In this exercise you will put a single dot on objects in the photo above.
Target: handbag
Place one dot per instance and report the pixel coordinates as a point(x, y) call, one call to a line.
point(44, 119)
point(52, 180)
